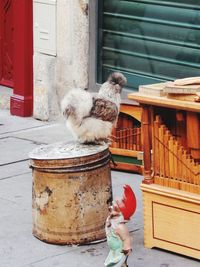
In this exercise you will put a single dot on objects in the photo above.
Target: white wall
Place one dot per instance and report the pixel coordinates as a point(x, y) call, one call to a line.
point(61, 56)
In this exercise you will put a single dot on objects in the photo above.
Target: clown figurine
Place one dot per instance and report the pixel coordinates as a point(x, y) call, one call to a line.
point(118, 237)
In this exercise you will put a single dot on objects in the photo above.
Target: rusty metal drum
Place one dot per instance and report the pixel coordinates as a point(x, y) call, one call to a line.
point(71, 192)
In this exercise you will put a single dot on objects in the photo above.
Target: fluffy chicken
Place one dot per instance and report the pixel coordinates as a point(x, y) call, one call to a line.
point(91, 118)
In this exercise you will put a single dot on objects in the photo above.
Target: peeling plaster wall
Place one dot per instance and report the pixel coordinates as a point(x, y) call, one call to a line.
point(55, 75)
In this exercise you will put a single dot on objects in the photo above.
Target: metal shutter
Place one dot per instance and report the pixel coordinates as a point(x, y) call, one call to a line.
point(149, 41)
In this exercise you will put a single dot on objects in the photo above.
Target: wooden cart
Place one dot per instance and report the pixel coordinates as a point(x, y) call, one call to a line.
point(171, 185)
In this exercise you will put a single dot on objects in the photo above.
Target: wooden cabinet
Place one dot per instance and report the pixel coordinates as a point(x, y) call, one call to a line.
point(171, 185)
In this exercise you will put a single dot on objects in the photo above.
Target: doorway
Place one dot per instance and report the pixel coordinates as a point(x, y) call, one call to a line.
point(6, 43)
point(16, 54)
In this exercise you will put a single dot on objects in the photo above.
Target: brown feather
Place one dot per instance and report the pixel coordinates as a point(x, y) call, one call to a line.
point(104, 110)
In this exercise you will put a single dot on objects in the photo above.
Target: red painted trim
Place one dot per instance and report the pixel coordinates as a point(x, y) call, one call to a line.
point(1, 41)
point(6, 83)
point(21, 103)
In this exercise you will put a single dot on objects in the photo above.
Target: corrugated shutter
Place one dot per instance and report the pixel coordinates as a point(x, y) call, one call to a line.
point(149, 40)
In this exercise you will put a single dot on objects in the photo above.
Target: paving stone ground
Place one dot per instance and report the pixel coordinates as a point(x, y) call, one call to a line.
point(18, 247)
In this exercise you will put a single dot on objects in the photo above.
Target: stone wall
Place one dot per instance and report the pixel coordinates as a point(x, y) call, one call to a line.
point(55, 75)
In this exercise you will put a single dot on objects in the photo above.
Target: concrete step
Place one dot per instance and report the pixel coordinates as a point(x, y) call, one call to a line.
point(5, 94)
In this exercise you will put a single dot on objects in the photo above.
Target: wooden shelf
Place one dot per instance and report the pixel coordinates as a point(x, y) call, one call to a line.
point(165, 102)
point(124, 152)
point(122, 166)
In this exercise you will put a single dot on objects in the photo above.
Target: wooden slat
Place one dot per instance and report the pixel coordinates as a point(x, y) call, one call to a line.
point(175, 153)
point(156, 161)
point(138, 139)
point(179, 163)
point(197, 174)
point(161, 150)
point(118, 138)
point(166, 139)
point(184, 160)
point(171, 158)
point(130, 143)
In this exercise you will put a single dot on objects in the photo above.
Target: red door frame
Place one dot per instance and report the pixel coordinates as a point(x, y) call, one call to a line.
point(21, 102)
point(1, 39)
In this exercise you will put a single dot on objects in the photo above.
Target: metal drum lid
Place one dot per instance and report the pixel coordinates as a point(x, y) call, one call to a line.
point(69, 154)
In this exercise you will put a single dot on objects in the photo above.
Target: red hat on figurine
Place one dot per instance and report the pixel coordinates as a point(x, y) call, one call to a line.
point(127, 204)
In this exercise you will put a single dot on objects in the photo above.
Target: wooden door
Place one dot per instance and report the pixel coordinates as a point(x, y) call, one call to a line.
point(6, 43)
point(16, 53)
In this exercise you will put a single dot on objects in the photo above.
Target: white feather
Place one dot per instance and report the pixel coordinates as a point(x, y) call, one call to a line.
point(90, 130)
point(81, 100)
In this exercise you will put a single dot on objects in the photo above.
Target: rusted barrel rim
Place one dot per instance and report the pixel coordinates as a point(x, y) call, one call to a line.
point(82, 168)
point(96, 156)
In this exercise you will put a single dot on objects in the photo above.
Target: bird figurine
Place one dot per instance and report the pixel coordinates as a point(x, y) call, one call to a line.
point(91, 118)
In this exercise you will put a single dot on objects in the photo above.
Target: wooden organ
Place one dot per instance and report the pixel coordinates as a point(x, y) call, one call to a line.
point(171, 186)
point(175, 163)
